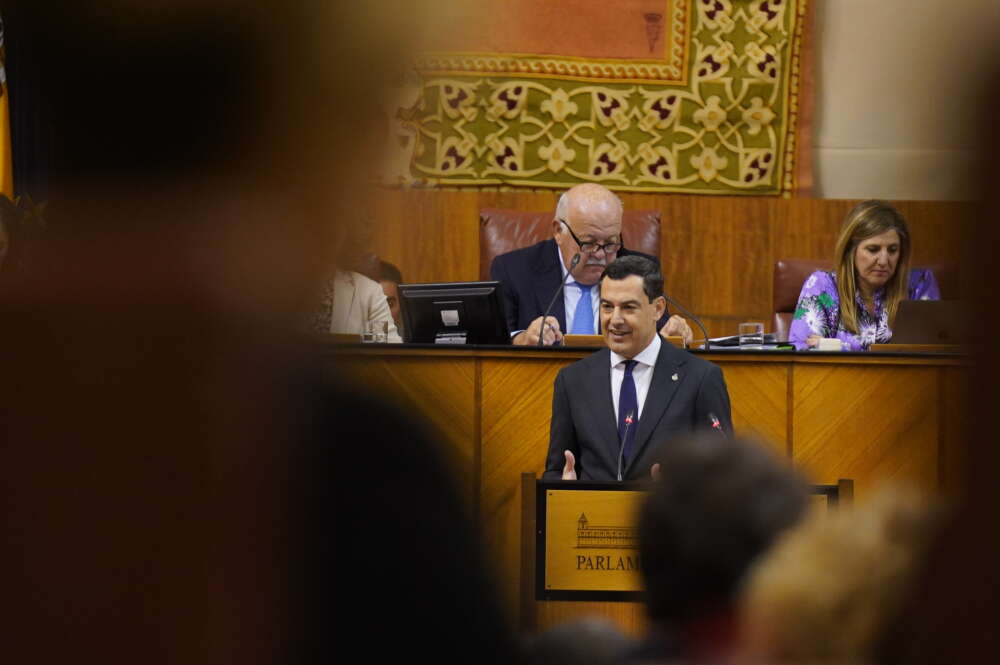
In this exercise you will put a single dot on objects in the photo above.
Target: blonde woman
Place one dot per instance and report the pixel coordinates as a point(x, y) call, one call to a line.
point(857, 302)
point(830, 589)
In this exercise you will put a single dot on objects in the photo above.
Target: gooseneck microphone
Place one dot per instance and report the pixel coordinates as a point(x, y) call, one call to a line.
point(691, 316)
point(621, 444)
point(569, 273)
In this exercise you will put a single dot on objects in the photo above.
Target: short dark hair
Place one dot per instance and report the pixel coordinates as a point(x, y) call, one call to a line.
point(387, 272)
point(718, 505)
point(652, 278)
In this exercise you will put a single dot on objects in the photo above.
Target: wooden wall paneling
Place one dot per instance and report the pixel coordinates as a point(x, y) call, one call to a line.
point(441, 390)
point(526, 200)
point(517, 406)
point(751, 271)
point(731, 257)
point(718, 253)
point(942, 232)
point(677, 237)
point(712, 248)
point(805, 228)
point(844, 427)
point(758, 393)
point(431, 236)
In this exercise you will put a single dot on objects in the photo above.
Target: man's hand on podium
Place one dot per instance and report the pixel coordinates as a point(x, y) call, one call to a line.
point(569, 471)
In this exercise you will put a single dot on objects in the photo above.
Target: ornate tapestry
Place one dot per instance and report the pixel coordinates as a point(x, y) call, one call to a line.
point(688, 96)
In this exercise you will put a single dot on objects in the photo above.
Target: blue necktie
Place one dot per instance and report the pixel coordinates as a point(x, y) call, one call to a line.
point(583, 318)
point(628, 403)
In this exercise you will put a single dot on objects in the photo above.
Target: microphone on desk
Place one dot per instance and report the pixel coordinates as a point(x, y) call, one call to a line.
point(713, 420)
point(621, 444)
point(569, 273)
point(691, 316)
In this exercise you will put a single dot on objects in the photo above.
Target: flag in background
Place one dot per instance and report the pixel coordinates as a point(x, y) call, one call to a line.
point(6, 160)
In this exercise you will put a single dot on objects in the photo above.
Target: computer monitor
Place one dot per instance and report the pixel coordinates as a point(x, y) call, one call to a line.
point(454, 313)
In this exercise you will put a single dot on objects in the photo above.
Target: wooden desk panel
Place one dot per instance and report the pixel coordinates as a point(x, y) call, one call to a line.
point(758, 393)
point(867, 417)
point(443, 389)
point(516, 405)
point(886, 423)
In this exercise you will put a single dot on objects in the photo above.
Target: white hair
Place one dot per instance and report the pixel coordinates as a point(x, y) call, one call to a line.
point(562, 206)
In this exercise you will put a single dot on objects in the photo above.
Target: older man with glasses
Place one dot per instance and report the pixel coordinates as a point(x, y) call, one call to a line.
point(588, 222)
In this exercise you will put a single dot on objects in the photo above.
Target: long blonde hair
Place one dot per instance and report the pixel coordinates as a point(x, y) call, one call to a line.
point(868, 219)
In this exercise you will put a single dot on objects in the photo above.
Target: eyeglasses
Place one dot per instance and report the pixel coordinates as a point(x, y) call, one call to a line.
point(592, 247)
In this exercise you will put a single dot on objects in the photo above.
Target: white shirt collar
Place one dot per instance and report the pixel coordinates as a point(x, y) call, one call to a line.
point(647, 356)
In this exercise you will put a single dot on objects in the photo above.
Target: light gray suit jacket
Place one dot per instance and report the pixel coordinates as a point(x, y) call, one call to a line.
point(357, 300)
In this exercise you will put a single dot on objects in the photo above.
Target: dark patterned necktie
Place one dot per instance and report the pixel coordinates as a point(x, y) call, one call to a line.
point(628, 406)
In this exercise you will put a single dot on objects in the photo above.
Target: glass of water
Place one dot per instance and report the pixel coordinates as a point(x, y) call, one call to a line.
point(375, 332)
point(751, 335)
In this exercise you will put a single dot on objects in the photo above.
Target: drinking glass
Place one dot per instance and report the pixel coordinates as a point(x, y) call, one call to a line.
point(751, 335)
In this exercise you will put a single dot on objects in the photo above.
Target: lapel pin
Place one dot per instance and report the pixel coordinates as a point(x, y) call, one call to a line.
point(674, 377)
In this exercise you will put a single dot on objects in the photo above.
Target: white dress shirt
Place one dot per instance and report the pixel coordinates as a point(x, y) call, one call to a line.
point(571, 296)
point(642, 373)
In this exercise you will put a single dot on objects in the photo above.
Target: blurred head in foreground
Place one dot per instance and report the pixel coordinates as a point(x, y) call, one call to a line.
point(199, 150)
point(719, 504)
point(827, 590)
point(10, 220)
point(588, 641)
point(221, 140)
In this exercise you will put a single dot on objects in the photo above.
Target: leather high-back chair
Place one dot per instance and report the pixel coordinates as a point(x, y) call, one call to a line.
point(791, 274)
point(502, 231)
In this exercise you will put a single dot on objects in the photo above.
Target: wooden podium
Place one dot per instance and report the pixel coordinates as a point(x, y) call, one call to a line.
point(580, 549)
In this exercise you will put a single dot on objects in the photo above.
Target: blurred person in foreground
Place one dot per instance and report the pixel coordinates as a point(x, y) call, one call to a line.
point(20, 231)
point(10, 219)
point(586, 641)
point(857, 301)
point(718, 505)
point(179, 473)
point(950, 614)
point(611, 410)
point(826, 592)
point(587, 223)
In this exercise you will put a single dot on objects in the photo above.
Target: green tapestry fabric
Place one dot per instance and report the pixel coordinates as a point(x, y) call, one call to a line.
point(715, 114)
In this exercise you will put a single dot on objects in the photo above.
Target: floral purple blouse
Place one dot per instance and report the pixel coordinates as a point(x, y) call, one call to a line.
point(818, 311)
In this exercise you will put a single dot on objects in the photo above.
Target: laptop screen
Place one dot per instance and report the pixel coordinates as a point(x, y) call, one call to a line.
point(932, 322)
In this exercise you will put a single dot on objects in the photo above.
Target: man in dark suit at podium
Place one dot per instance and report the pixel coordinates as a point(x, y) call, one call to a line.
point(613, 409)
point(588, 223)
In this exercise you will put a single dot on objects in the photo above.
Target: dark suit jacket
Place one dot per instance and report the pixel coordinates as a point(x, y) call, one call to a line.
point(530, 278)
point(583, 415)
